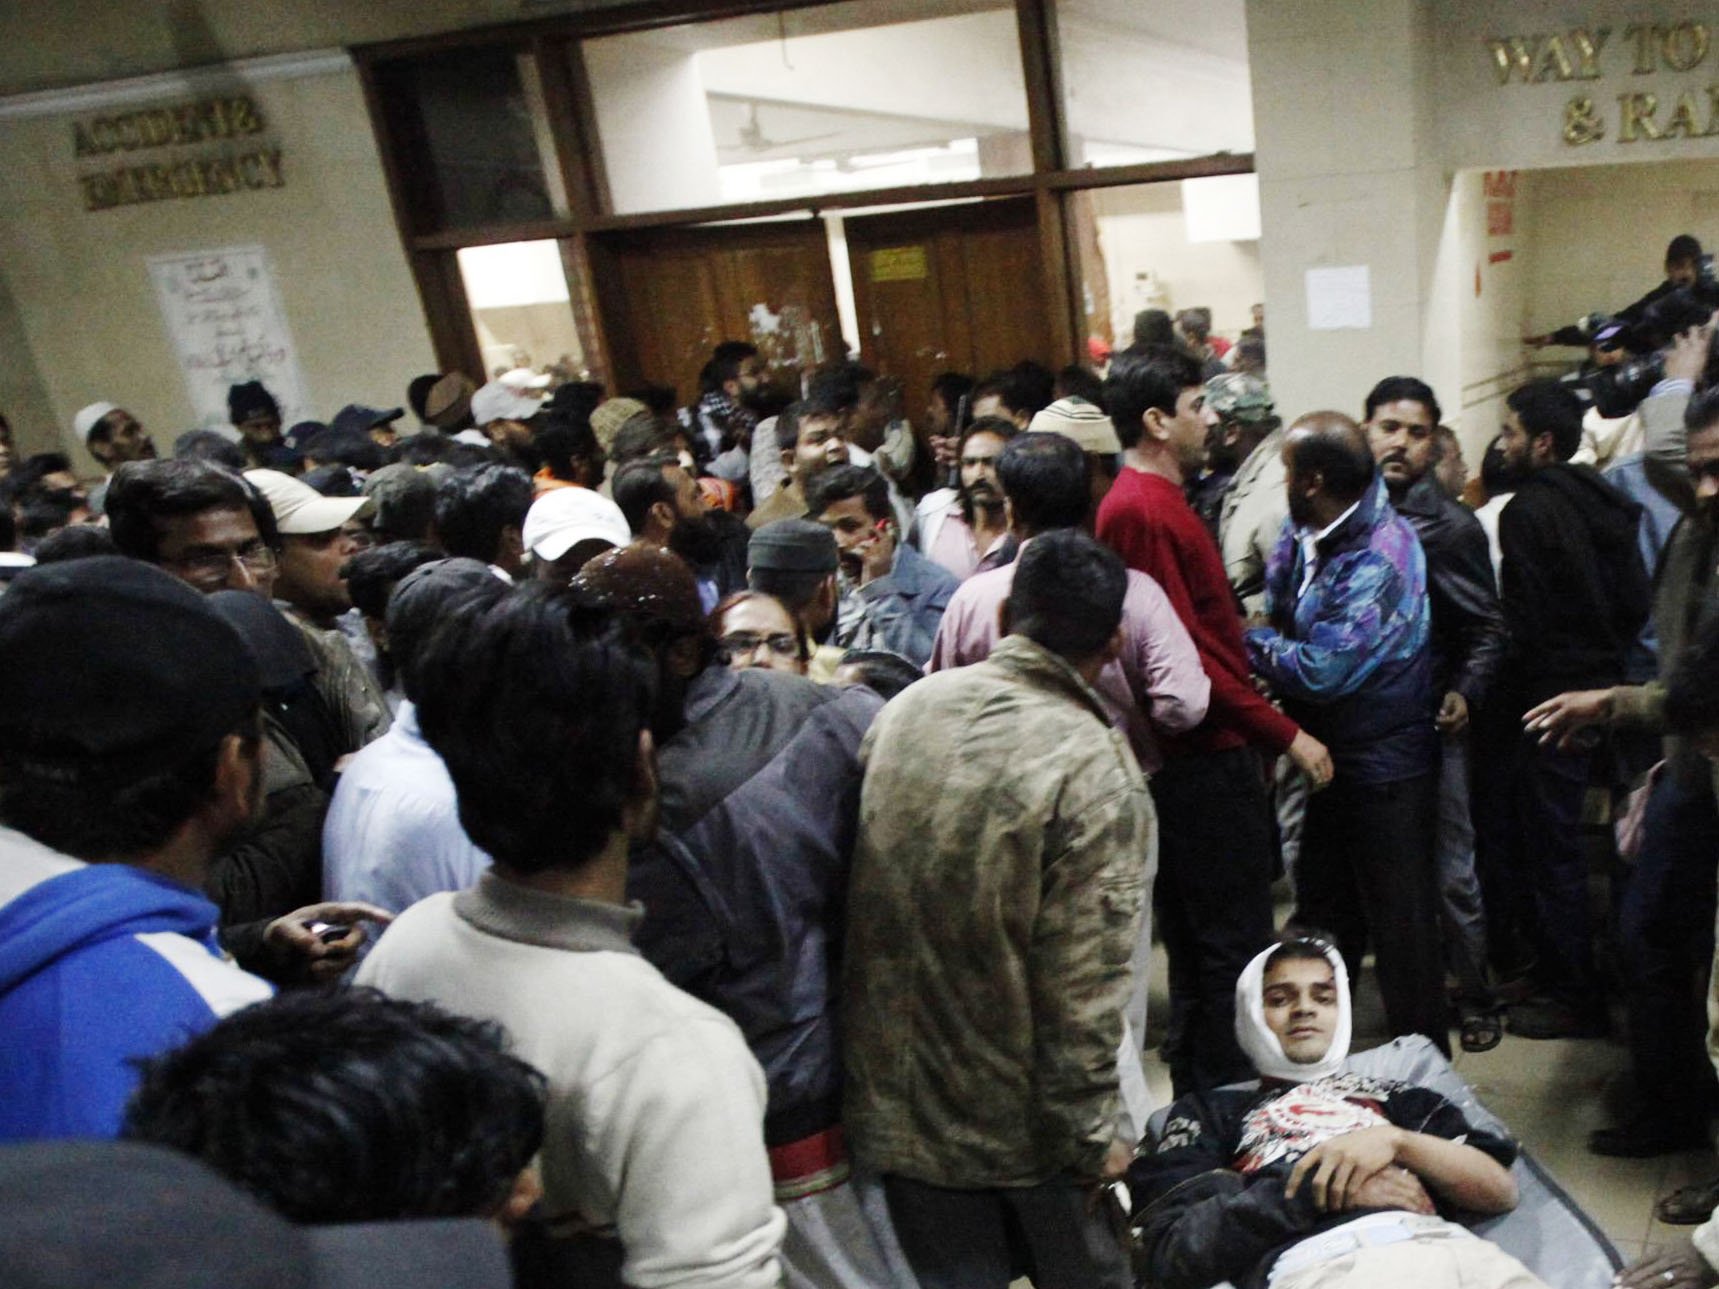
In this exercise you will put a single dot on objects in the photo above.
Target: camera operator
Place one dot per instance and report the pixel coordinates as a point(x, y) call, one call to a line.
point(1682, 264)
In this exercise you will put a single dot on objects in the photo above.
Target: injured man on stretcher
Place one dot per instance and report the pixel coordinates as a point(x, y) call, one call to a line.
point(1318, 1178)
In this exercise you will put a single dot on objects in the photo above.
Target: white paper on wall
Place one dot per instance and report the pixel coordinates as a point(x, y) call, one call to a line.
point(225, 320)
point(1339, 299)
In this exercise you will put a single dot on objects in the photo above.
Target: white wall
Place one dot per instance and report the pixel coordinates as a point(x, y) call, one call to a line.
point(1141, 229)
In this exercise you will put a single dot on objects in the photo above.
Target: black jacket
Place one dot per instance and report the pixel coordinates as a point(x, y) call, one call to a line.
point(1468, 639)
point(1205, 1220)
point(1575, 593)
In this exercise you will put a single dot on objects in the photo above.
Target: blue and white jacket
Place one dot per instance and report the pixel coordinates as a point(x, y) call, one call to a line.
point(101, 966)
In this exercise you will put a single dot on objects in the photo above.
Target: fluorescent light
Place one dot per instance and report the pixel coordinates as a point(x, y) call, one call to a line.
point(511, 274)
point(1223, 208)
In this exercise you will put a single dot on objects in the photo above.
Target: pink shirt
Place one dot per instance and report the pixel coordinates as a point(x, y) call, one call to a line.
point(954, 546)
point(1156, 684)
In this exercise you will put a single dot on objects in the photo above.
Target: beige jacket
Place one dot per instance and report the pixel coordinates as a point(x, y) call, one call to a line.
point(1251, 519)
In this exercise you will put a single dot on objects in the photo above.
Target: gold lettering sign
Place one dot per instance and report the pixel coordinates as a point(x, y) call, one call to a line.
point(1642, 115)
point(898, 264)
point(231, 119)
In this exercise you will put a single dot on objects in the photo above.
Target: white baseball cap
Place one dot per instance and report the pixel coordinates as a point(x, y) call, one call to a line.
point(299, 508)
point(563, 517)
point(90, 417)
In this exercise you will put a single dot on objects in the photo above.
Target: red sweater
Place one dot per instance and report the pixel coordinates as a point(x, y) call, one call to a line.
point(1146, 520)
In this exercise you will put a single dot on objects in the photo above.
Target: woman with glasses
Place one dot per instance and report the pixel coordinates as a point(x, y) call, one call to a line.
point(756, 630)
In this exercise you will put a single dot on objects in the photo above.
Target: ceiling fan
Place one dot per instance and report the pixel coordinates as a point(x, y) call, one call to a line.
point(753, 139)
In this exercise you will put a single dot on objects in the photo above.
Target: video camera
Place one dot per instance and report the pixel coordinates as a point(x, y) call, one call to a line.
point(1618, 390)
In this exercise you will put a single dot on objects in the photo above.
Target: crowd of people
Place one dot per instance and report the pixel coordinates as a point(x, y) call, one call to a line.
point(719, 845)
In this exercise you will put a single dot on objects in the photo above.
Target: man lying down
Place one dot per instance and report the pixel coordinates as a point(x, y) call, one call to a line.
point(1318, 1179)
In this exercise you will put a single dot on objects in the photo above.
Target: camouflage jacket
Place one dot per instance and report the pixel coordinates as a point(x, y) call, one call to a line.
point(997, 888)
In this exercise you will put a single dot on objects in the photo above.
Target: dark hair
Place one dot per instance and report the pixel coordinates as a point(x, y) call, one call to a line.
point(9, 525)
point(348, 1106)
point(426, 447)
point(788, 425)
point(643, 434)
point(1495, 474)
point(1396, 388)
point(474, 507)
point(1682, 249)
point(840, 482)
point(466, 457)
point(838, 387)
point(1144, 377)
point(1692, 691)
point(1196, 322)
point(207, 445)
point(726, 358)
point(27, 475)
point(42, 514)
point(371, 575)
point(79, 541)
point(333, 481)
point(1079, 381)
point(1025, 389)
point(102, 816)
point(1334, 447)
point(562, 440)
point(1549, 407)
point(536, 705)
point(1067, 594)
point(886, 674)
point(1000, 426)
point(1702, 412)
point(345, 447)
point(143, 493)
point(639, 485)
point(952, 387)
point(1154, 327)
point(659, 398)
point(1044, 477)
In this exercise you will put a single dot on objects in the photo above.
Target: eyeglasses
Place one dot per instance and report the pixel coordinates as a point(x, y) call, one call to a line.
point(257, 557)
point(779, 643)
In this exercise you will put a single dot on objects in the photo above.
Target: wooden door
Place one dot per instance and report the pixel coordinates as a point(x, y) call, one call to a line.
point(670, 296)
point(951, 288)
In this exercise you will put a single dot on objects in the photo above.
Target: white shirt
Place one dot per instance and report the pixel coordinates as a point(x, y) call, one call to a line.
point(393, 834)
point(1310, 548)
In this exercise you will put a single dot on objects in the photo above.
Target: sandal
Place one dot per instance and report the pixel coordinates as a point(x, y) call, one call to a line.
point(1483, 1031)
point(1688, 1205)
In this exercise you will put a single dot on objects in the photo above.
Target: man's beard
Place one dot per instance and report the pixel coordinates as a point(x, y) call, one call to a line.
point(696, 541)
point(1508, 476)
point(981, 496)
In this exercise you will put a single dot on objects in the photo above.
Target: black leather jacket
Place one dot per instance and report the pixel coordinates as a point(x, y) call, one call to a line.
point(1468, 637)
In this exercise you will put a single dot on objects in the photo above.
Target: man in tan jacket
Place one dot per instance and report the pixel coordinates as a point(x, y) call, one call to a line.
point(997, 888)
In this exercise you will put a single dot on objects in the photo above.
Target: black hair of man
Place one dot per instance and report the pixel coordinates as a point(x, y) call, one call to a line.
point(839, 482)
point(44, 513)
point(1143, 377)
point(1301, 944)
point(9, 526)
point(1015, 390)
point(1154, 327)
point(1396, 389)
point(345, 447)
point(466, 457)
point(348, 1106)
point(1692, 692)
point(535, 704)
point(426, 447)
point(1683, 249)
point(27, 475)
point(142, 493)
point(1067, 594)
point(726, 358)
point(1495, 473)
point(421, 602)
point(639, 485)
point(788, 424)
point(886, 674)
point(475, 507)
point(1332, 446)
point(952, 387)
point(644, 434)
point(371, 575)
point(1702, 411)
point(1077, 380)
point(79, 541)
point(659, 398)
point(1044, 477)
point(207, 445)
point(838, 387)
point(566, 442)
point(1001, 426)
point(333, 481)
point(1549, 407)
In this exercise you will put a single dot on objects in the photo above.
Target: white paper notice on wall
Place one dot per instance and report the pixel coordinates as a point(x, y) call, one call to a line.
point(224, 317)
point(1339, 299)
